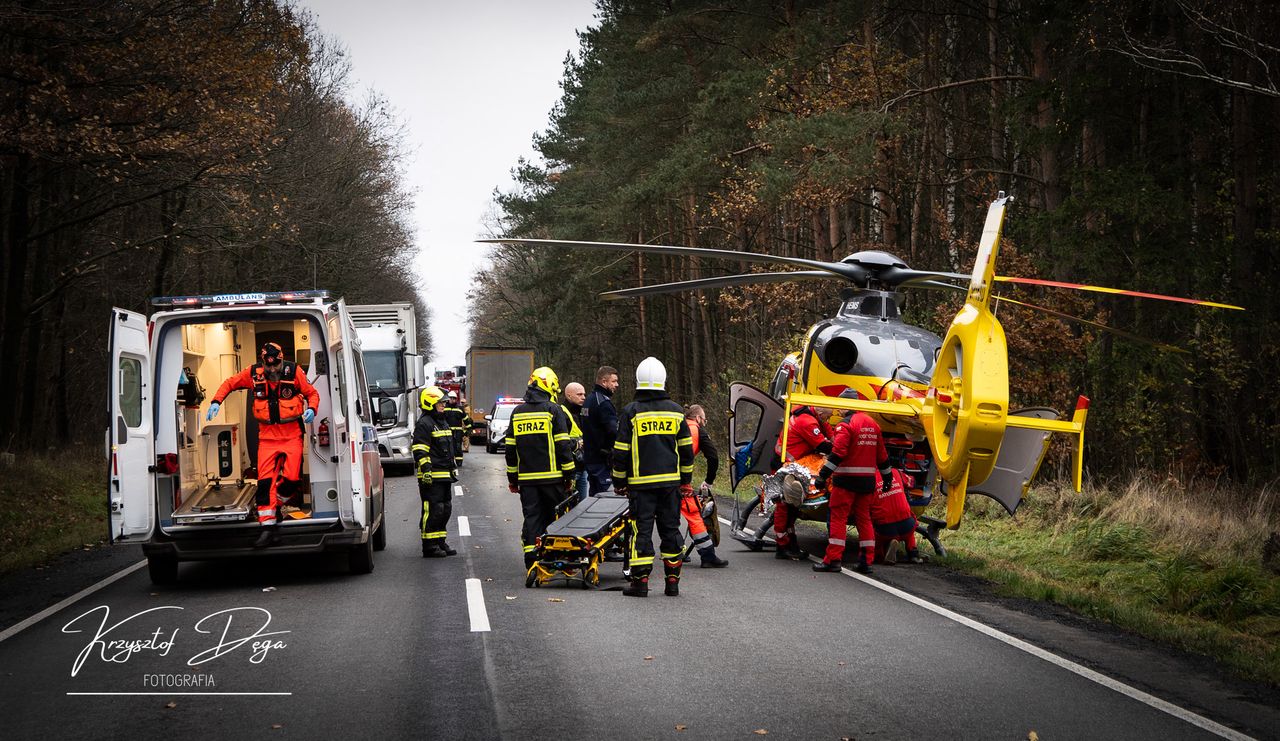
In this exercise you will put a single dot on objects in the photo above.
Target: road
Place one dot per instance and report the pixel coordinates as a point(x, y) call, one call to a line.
point(762, 646)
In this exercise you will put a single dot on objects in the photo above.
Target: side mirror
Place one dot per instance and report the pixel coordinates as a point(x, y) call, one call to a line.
point(386, 410)
point(488, 418)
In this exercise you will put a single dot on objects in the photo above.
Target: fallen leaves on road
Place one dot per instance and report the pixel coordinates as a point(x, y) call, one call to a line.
point(648, 658)
point(275, 726)
point(171, 704)
point(839, 663)
point(681, 727)
point(268, 589)
point(554, 599)
point(510, 596)
point(760, 732)
point(488, 578)
point(1033, 736)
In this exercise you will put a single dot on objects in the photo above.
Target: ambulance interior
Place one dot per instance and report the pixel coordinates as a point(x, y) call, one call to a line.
point(217, 460)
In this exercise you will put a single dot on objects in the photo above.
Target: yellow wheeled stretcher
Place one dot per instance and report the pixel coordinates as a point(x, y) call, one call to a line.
point(574, 545)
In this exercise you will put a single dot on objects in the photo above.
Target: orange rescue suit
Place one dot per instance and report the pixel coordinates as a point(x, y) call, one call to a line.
point(278, 407)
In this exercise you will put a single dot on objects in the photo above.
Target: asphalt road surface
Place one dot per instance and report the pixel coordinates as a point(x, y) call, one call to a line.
point(298, 647)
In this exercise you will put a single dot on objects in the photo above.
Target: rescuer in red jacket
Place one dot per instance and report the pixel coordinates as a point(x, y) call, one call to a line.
point(807, 434)
point(691, 504)
point(283, 400)
point(894, 521)
point(857, 453)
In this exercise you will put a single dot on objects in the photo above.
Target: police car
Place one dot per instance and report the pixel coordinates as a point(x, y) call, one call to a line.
point(499, 421)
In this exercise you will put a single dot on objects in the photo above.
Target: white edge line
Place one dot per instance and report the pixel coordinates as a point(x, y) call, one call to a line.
point(457, 490)
point(166, 694)
point(464, 527)
point(1040, 653)
point(13, 630)
point(475, 607)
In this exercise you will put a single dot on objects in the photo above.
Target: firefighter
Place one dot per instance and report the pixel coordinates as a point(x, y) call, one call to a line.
point(808, 434)
point(652, 466)
point(436, 468)
point(856, 454)
point(691, 506)
point(283, 401)
point(539, 458)
point(454, 413)
point(600, 429)
point(894, 522)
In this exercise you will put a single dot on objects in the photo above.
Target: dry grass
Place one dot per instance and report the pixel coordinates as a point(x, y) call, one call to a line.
point(52, 504)
point(1176, 561)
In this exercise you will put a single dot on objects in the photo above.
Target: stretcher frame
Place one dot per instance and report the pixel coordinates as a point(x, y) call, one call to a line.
point(576, 558)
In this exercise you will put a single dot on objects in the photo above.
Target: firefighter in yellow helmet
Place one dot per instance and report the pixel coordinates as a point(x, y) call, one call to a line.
point(455, 414)
point(434, 461)
point(539, 458)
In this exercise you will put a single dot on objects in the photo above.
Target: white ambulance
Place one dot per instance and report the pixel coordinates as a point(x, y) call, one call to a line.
point(185, 488)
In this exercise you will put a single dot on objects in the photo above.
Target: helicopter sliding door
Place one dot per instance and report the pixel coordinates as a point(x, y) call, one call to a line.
point(1018, 461)
point(755, 422)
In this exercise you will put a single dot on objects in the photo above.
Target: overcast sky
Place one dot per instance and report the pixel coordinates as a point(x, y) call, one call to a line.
point(473, 82)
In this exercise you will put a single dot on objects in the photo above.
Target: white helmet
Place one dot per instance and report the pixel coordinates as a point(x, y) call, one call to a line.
point(453, 395)
point(651, 375)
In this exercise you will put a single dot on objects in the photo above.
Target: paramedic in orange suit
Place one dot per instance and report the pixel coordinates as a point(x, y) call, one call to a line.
point(283, 400)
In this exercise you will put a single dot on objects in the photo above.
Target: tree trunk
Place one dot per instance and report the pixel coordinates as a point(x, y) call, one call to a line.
point(14, 296)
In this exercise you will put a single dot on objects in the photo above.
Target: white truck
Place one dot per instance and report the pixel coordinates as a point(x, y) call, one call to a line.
point(396, 373)
point(184, 488)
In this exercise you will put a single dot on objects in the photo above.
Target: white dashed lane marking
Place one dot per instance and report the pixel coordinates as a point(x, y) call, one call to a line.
point(464, 527)
point(475, 606)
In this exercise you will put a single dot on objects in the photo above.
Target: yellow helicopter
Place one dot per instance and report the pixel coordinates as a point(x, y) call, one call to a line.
point(943, 403)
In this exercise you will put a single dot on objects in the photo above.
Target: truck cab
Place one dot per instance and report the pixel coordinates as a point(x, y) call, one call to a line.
point(389, 345)
point(183, 487)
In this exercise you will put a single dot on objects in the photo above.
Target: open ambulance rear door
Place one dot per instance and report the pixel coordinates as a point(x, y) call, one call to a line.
point(131, 497)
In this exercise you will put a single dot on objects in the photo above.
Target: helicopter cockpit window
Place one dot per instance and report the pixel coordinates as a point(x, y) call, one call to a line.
point(877, 306)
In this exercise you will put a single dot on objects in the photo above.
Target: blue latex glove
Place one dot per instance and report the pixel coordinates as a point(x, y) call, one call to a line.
point(308, 415)
point(213, 411)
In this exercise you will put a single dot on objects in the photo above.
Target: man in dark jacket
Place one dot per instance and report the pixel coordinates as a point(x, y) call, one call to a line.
point(653, 465)
point(539, 458)
point(599, 429)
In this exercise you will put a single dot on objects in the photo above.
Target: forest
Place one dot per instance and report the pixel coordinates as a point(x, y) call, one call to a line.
point(1138, 138)
point(162, 147)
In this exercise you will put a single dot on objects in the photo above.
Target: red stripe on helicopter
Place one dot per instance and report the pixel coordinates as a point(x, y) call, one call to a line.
point(833, 390)
point(1122, 292)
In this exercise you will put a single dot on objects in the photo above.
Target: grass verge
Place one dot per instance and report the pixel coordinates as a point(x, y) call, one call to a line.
point(1183, 565)
point(52, 504)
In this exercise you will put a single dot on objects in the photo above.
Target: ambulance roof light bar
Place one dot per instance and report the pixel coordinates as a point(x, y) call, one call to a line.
point(236, 299)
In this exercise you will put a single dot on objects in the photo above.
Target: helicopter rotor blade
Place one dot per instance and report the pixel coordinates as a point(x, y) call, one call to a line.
point(1097, 325)
point(854, 273)
point(938, 284)
point(717, 282)
point(907, 276)
point(1119, 291)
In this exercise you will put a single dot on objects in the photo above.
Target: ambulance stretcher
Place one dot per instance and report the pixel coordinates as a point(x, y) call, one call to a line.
point(574, 545)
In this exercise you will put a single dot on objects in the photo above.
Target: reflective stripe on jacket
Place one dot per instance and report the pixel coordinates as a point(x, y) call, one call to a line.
point(273, 401)
point(537, 442)
point(654, 448)
point(433, 446)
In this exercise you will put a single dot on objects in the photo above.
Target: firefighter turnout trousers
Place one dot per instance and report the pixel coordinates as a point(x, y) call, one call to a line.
point(437, 506)
point(279, 468)
point(647, 506)
point(539, 503)
point(843, 502)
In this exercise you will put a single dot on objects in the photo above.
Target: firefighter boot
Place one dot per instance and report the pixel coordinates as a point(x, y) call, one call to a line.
point(672, 571)
point(673, 586)
point(824, 566)
point(637, 586)
point(268, 536)
point(444, 547)
point(709, 558)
